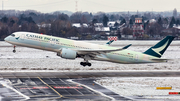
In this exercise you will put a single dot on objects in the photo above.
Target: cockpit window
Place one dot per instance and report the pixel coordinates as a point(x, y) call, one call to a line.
point(13, 35)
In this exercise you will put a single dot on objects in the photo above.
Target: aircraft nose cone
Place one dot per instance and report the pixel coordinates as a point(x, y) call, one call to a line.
point(6, 39)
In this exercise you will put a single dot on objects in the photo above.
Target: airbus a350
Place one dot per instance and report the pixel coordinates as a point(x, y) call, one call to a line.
point(72, 49)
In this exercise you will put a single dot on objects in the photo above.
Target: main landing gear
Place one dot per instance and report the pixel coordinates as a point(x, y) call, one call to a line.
point(85, 63)
point(14, 51)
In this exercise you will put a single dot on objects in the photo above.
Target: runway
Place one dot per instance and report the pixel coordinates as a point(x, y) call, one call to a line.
point(46, 89)
point(66, 85)
point(95, 74)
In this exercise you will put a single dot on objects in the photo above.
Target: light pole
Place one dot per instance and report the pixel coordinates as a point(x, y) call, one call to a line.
point(2, 4)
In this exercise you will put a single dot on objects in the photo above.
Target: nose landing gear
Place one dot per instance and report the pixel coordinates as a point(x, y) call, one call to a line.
point(14, 51)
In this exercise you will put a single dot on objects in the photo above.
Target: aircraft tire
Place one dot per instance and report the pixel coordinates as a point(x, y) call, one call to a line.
point(83, 64)
point(14, 51)
point(89, 64)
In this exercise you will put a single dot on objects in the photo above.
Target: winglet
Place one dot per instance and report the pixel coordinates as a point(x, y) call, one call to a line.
point(158, 49)
point(127, 46)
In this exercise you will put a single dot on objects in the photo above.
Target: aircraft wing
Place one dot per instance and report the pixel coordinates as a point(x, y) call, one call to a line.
point(98, 51)
point(127, 46)
point(93, 53)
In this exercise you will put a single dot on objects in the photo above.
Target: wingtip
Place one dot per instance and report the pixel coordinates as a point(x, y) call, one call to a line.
point(127, 46)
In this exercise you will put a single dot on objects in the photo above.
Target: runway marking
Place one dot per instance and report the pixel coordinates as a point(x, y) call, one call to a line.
point(70, 80)
point(50, 87)
point(7, 86)
point(65, 96)
point(82, 95)
point(35, 88)
point(42, 95)
point(52, 97)
point(67, 87)
point(45, 87)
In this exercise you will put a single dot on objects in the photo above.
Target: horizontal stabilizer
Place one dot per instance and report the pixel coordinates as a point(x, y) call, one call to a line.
point(161, 60)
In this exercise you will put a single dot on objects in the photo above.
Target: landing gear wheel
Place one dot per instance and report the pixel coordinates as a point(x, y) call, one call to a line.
point(14, 51)
point(89, 64)
point(83, 64)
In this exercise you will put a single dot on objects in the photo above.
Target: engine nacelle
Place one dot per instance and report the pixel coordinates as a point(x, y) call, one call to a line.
point(68, 54)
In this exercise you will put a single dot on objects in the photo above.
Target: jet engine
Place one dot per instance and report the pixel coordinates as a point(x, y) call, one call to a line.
point(67, 54)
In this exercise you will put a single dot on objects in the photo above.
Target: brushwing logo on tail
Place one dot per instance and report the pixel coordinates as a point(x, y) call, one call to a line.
point(158, 50)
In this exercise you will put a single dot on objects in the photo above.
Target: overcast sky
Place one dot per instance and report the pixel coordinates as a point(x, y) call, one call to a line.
point(46, 6)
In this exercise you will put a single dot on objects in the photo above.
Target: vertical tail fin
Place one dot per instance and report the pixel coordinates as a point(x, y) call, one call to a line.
point(158, 49)
point(108, 43)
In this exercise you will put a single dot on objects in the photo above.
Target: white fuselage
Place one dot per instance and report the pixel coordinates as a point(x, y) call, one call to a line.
point(55, 44)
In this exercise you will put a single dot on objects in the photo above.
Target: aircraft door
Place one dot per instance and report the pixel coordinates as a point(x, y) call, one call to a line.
point(136, 57)
point(51, 42)
point(42, 43)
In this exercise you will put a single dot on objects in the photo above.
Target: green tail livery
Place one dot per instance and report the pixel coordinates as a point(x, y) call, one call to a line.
point(160, 47)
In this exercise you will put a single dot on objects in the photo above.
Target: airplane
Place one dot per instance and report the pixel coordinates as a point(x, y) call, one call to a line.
point(71, 49)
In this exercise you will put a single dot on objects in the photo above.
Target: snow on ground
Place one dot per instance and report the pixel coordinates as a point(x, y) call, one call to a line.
point(143, 86)
point(34, 59)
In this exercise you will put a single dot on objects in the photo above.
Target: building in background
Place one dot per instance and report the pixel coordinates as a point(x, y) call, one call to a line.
point(175, 12)
point(138, 28)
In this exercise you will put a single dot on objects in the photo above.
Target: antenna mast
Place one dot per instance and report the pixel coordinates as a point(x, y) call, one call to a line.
point(2, 5)
point(76, 6)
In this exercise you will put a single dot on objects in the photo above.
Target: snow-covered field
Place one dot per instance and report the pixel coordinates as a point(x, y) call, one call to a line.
point(33, 59)
point(144, 87)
